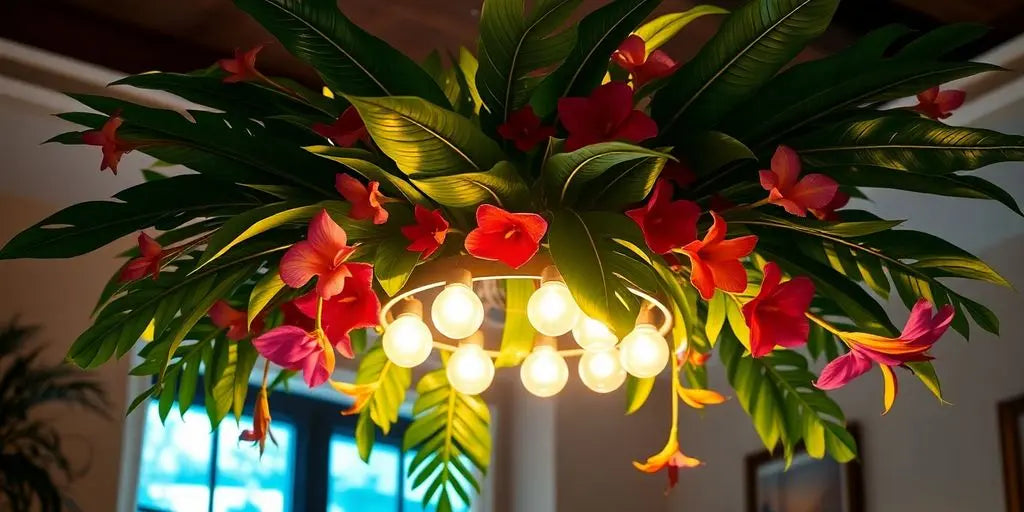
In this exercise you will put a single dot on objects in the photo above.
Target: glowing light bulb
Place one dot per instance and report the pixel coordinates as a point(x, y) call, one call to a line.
point(544, 372)
point(457, 312)
point(644, 352)
point(552, 310)
point(591, 334)
point(407, 340)
point(469, 369)
point(601, 371)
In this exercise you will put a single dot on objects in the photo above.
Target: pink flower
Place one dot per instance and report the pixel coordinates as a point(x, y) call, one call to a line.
point(919, 334)
point(322, 254)
point(939, 105)
point(235, 321)
point(429, 232)
point(715, 261)
point(606, 115)
point(666, 224)
point(632, 57)
point(813, 191)
point(525, 129)
point(346, 130)
point(512, 238)
point(146, 264)
point(242, 67)
point(669, 459)
point(776, 315)
point(295, 348)
point(113, 147)
point(367, 201)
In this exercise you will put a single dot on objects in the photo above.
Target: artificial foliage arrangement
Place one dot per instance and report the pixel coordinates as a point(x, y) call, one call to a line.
point(668, 210)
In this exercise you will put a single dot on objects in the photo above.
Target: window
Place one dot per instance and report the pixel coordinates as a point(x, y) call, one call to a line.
point(314, 466)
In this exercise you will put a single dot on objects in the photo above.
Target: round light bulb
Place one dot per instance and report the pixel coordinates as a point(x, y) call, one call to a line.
point(469, 369)
point(591, 334)
point(544, 372)
point(457, 312)
point(552, 310)
point(407, 340)
point(643, 352)
point(601, 371)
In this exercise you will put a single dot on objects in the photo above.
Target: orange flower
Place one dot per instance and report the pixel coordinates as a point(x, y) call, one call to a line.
point(360, 393)
point(669, 458)
point(242, 68)
point(260, 423)
point(698, 398)
point(112, 146)
point(146, 264)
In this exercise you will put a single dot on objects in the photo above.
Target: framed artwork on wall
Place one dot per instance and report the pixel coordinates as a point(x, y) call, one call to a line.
point(1011, 435)
point(809, 485)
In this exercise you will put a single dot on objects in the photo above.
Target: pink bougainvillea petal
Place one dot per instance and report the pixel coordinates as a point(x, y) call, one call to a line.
point(842, 370)
point(287, 346)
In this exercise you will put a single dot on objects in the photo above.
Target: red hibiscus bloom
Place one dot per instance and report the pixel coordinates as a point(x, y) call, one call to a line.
point(235, 321)
point(939, 105)
point(632, 57)
point(670, 459)
point(295, 348)
point(715, 261)
point(241, 68)
point(428, 234)
point(666, 224)
point(322, 254)
point(367, 202)
point(524, 127)
point(146, 264)
point(292, 316)
point(919, 334)
point(346, 130)
point(512, 238)
point(606, 115)
point(828, 212)
point(813, 191)
point(260, 422)
point(106, 138)
point(678, 173)
point(356, 307)
point(776, 314)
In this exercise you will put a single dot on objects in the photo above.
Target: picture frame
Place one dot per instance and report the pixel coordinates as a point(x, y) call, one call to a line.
point(1011, 438)
point(810, 484)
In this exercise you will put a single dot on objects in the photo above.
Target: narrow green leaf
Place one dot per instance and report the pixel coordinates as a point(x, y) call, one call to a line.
point(245, 361)
point(517, 334)
point(393, 264)
point(717, 307)
point(263, 292)
point(637, 392)
point(565, 174)
point(502, 185)
point(662, 29)
point(365, 435)
point(390, 183)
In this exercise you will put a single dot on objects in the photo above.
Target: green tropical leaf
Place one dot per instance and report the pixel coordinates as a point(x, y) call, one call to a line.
point(263, 292)
point(598, 36)
point(717, 308)
point(924, 371)
point(245, 360)
point(943, 40)
point(423, 138)
point(393, 263)
point(360, 162)
point(391, 382)
point(623, 184)
point(662, 29)
point(753, 44)
point(365, 435)
point(468, 69)
point(906, 143)
point(707, 152)
point(501, 185)
point(565, 174)
point(637, 392)
point(517, 334)
point(350, 60)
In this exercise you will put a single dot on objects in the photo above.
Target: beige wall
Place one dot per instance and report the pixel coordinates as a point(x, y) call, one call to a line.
point(58, 295)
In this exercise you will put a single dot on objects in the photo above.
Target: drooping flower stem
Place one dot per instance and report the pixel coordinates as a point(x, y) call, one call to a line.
point(824, 325)
point(266, 372)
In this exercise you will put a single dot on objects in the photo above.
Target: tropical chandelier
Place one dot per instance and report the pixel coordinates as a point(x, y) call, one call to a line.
point(641, 214)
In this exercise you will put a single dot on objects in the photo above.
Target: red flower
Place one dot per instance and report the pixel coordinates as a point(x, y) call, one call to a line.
point(607, 114)
point(632, 57)
point(666, 224)
point(260, 423)
point(524, 127)
point(242, 67)
point(512, 238)
point(106, 137)
point(428, 233)
point(776, 314)
point(146, 264)
point(828, 212)
point(235, 321)
point(346, 130)
point(367, 202)
point(671, 459)
point(292, 316)
point(715, 261)
point(678, 173)
point(939, 105)
point(322, 254)
point(356, 307)
point(813, 191)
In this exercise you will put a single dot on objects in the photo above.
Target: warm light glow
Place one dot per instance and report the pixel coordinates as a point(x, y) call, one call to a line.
point(591, 334)
point(552, 310)
point(644, 352)
point(457, 312)
point(544, 372)
point(407, 340)
point(601, 371)
point(469, 370)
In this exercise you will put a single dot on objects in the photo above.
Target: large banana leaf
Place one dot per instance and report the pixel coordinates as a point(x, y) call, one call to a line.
point(426, 139)
point(753, 43)
point(906, 143)
point(501, 185)
point(349, 59)
point(513, 45)
point(565, 174)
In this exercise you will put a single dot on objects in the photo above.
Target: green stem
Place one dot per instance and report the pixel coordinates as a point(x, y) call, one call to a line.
point(266, 372)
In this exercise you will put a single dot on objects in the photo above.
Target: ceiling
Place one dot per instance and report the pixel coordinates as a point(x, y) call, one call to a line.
point(182, 35)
